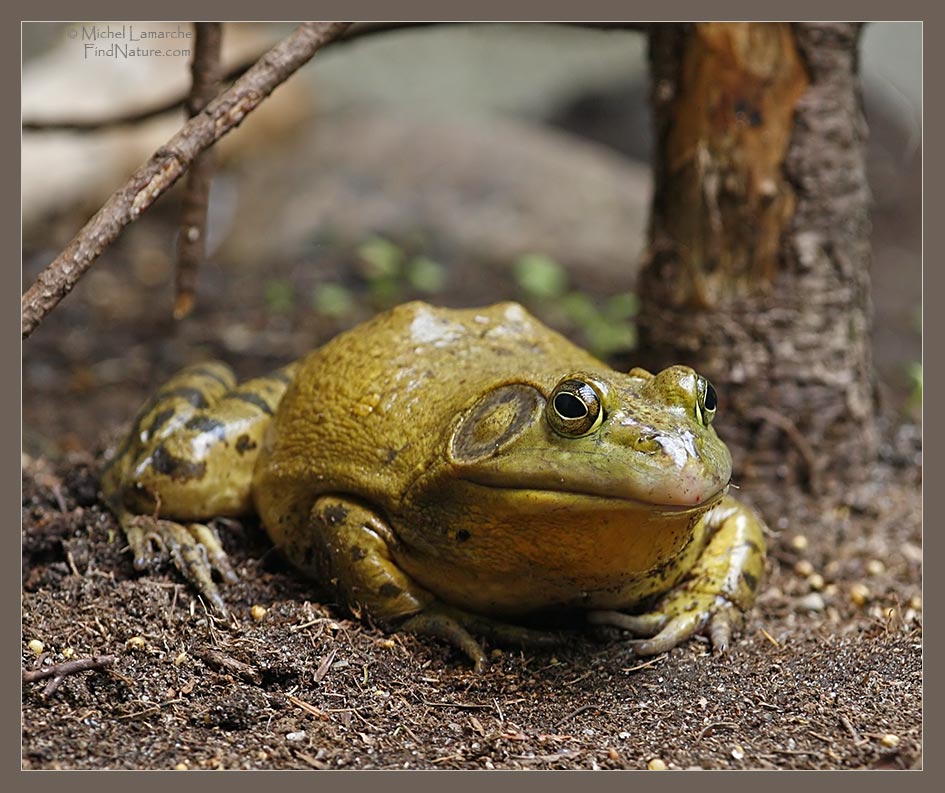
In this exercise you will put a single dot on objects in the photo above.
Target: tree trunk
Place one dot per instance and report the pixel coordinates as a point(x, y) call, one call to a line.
point(758, 268)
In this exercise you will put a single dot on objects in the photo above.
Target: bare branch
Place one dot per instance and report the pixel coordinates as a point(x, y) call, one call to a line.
point(191, 247)
point(169, 163)
point(58, 672)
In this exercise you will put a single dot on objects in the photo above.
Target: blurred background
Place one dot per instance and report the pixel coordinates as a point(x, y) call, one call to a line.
point(459, 163)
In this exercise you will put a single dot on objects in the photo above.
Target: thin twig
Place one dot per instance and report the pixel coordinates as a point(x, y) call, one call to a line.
point(789, 428)
point(191, 248)
point(228, 663)
point(169, 163)
point(578, 712)
point(58, 672)
point(308, 707)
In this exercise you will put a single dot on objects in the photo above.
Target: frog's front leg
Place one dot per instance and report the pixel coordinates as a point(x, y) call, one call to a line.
point(714, 596)
point(350, 547)
point(189, 457)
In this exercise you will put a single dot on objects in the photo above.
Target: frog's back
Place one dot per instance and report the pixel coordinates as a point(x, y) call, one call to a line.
point(372, 408)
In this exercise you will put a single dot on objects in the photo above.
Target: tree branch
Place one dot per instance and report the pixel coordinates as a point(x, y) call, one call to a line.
point(169, 163)
point(191, 247)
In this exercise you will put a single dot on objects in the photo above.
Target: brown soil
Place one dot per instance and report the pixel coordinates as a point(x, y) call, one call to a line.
point(826, 673)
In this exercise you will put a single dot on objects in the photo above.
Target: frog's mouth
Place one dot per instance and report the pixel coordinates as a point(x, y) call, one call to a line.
point(672, 497)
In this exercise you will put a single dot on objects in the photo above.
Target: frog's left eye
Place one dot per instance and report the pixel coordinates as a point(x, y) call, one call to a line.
point(707, 401)
point(574, 408)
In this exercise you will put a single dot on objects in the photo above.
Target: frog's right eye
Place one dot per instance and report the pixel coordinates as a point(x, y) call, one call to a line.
point(574, 408)
point(707, 401)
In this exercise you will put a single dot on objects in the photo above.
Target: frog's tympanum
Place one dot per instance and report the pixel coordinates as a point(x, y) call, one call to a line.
point(456, 472)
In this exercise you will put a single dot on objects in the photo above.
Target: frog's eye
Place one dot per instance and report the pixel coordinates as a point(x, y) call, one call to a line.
point(707, 401)
point(574, 408)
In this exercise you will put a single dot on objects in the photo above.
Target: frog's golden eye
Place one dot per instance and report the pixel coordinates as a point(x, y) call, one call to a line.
point(707, 401)
point(574, 408)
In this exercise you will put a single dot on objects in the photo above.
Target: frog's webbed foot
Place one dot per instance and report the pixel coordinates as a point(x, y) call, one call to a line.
point(713, 599)
point(664, 631)
point(194, 548)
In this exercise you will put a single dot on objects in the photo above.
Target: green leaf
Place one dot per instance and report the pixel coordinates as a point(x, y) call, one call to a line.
point(279, 295)
point(382, 257)
point(579, 308)
point(540, 276)
point(622, 305)
point(332, 300)
point(607, 338)
point(426, 275)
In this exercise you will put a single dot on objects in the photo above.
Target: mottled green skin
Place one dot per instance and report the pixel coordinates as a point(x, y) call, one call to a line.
point(411, 463)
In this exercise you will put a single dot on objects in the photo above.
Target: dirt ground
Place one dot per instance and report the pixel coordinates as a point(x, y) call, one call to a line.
point(827, 672)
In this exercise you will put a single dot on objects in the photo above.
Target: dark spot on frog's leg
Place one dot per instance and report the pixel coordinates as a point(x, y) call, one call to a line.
point(245, 444)
point(166, 463)
point(159, 421)
point(282, 377)
point(336, 514)
point(749, 579)
point(192, 395)
point(389, 590)
point(201, 371)
point(462, 535)
point(391, 455)
point(358, 553)
point(252, 399)
point(754, 546)
point(212, 426)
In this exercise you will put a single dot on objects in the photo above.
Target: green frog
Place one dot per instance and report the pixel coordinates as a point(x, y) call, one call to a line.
point(455, 473)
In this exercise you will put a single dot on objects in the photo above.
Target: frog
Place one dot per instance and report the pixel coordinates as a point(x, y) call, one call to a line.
point(459, 473)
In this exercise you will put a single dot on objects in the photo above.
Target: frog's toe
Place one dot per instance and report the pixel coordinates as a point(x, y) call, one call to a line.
point(195, 550)
point(445, 627)
point(638, 624)
point(676, 631)
point(723, 623)
point(664, 631)
point(148, 549)
point(207, 537)
point(191, 557)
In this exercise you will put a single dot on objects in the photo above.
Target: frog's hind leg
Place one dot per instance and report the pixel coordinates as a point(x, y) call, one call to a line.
point(713, 598)
point(189, 457)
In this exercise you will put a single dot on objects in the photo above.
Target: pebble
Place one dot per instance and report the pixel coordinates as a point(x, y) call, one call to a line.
point(295, 736)
point(816, 582)
point(258, 613)
point(136, 643)
point(804, 568)
point(889, 740)
point(656, 765)
point(859, 594)
point(799, 542)
point(811, 602)
point(36, 646)
point(875, 567)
